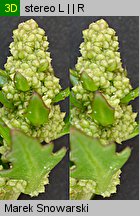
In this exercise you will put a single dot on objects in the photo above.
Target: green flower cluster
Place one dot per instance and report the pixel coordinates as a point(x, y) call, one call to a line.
point(123, 126)
point(81, 189)
point(85, 189)
point(11, 188)
point(99, 76)
point(31, 60)
point(101, 61)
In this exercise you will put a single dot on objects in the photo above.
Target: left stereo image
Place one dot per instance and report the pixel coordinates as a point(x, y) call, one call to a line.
point(34, 93)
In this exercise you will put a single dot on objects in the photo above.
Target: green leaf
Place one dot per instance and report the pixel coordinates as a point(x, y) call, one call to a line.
point(103, 113)
point(66, 128)
point(73, 77)
point(130, 96)
point(43, 66)
point(75, 102)
point(62, 95)
point(94, 161)
point(88, 82)
point(31, 161)
point(37, 112)
point(3, 77)
point(7, 103)
point(5, 132)
point(73, 72)
point(1, 140)
point(21, 82)
point(134, 133)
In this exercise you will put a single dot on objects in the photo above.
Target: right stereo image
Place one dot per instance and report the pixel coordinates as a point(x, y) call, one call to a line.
point(104, 146)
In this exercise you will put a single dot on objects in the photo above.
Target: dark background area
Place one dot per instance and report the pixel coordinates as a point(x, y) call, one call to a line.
point(65, 35)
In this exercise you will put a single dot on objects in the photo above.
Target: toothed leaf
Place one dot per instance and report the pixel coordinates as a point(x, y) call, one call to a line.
point(94, 161)
point(31, 161)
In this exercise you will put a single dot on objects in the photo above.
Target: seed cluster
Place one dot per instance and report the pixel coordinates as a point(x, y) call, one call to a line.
point(123, 126)
point(11, 186)
point(102, 62)
point(31, 59)
point(81, 189)
point(101, 59)
point(84, 189)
